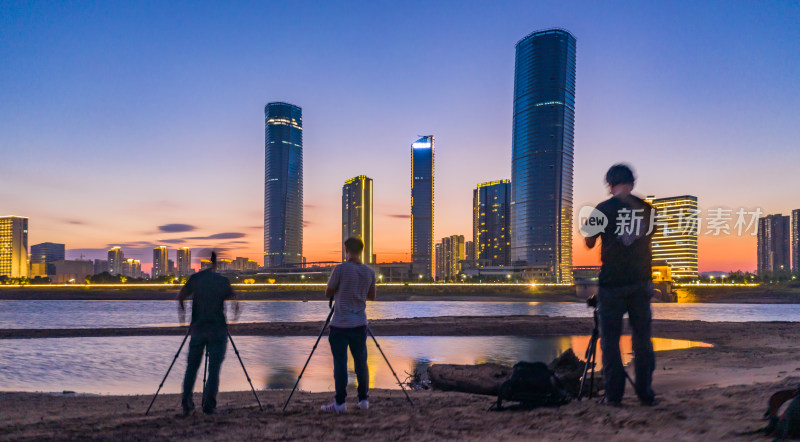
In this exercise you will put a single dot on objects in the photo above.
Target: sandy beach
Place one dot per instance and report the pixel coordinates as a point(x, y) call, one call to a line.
point(707, 394)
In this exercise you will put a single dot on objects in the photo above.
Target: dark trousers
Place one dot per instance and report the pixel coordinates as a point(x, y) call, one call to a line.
point(215, 339)
point(613, 303)
point(356, 339)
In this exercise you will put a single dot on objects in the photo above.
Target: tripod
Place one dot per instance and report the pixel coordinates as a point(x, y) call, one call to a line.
point(591, 356)
point(327, 321)
point(205, 369)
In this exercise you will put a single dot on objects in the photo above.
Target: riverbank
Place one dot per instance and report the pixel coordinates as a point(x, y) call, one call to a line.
point(707, 394)
point(486, 293)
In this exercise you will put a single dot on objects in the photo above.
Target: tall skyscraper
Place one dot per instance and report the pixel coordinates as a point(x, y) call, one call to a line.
point(422, 206)
point(449, 254)
point(132, 268)
point(184, 257)
point(491, 208)
point(796, 241)
point(160, 262)
point(115, 258)
point(542, 152)
point(14, 246)
point(773, 244)
point(48, 253)
point(674, 239)
point(283, 185)
point(357, 214)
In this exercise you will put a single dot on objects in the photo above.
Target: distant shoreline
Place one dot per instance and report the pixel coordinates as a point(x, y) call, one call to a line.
point(455, 293)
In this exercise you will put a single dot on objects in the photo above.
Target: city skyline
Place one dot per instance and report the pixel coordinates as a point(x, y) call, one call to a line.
point(655, 104)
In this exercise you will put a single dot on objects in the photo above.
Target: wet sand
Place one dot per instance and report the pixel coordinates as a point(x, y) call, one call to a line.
point(707, 394)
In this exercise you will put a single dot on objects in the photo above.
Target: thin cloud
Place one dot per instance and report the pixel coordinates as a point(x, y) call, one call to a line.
point(172, 241)
point(307, 223)
point(226, 235)
point(74, 222)
point(399, 215)
point(176, 228)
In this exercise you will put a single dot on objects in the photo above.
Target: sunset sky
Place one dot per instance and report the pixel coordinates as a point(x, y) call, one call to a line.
point(141, 123)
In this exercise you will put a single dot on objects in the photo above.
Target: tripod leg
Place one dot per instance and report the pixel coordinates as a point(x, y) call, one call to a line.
point(245, 372)
point(594, 364)
point(307, 360)
point(168, 370)
point(590, 349)
point(390, 367)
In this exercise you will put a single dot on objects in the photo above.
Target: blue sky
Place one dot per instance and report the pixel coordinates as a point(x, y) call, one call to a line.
point(120, 117)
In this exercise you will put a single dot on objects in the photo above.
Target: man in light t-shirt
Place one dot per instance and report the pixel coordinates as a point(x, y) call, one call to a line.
point(351, 284)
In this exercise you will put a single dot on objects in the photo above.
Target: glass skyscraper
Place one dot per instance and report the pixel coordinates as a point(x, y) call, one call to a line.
point(422, 207)
point(773, 244)
point(542, 152)
point(357, 215)
point(48, 253)
point(491, 210)
point(283, 185)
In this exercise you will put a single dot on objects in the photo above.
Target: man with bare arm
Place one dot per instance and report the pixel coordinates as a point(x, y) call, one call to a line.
point(351, 284)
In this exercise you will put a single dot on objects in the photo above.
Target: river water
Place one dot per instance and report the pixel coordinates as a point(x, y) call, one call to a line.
point(93, 314)
point(135, 365)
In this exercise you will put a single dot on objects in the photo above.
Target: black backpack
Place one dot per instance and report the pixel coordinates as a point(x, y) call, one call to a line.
point(532, 385)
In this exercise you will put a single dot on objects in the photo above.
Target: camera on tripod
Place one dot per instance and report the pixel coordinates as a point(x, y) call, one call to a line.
point(591, 301)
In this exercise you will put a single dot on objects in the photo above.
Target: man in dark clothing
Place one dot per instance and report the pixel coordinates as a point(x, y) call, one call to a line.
point(625, 284)
point(351, 284)
point(208, 291)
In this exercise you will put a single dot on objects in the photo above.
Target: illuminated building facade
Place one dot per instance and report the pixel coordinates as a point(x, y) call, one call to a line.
point(773, 244)
point(184, 257)
point(132, 268)
point(48, 253)
point(283, 185)
point(357, 215)
point(542, 152)
point(469, 250)
point(14, 246)
point(422, 206)
point(241, 264)
point(160, 262)
point(115, 258)
point(449, 254)
point(675, 234)
point(491, 209)
point(796, 241)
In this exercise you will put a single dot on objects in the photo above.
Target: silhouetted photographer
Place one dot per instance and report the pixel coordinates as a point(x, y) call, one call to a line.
point(209, 329)
point(625, 284)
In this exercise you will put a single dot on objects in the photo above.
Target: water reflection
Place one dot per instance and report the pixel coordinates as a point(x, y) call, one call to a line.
point(135, 365)
point(92, 314)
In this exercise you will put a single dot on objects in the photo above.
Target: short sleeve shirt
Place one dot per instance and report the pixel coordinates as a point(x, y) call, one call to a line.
point(626, 253)
point(351, 282)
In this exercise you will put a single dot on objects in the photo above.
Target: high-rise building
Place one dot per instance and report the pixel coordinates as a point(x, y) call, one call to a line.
point(100, 266)
point(241, 264)
point(796, 241)
point(469, 250)
point(773, 244)
point(283, 185)
point(115, 258)
point(357, 214)
point(449, 253)
point(422, 206)
point(491, 209)
point(14, 246)
point(184, 257)
point(542, 152)
point(48, 253)
point(160, 262)
point(674, 239)
point(132, 268)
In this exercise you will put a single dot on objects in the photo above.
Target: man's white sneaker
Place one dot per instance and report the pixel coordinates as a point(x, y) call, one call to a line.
point(363, 405)
point(333, 407)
